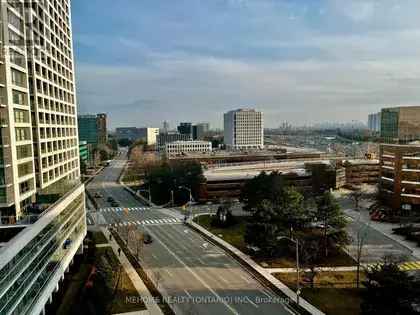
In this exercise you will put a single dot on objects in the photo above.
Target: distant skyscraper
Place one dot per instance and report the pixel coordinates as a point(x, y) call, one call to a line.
point(374, 122)
point(244, 129)
point(101, 125)
point(165, 127)
point(400, 124)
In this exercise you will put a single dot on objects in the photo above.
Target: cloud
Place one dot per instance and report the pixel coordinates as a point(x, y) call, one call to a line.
point(192, 59)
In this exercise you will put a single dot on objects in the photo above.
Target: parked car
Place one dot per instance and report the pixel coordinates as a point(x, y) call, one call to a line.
point(147, 238)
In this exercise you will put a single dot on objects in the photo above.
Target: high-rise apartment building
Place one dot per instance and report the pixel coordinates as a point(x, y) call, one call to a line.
point(400, 124)
point(42, 203)
point(244, 129)
point(39, 144)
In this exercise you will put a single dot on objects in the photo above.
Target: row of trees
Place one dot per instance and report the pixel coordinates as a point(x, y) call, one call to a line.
point(278, 209)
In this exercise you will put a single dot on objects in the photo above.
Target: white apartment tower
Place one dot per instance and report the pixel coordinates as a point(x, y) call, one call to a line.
point(38, 115)
point(244, 129)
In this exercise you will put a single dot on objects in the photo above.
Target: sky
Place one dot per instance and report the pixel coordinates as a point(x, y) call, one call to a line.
point(301, 61)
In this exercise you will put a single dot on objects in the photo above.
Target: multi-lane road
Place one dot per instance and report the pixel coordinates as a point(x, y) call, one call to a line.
point(196, 276)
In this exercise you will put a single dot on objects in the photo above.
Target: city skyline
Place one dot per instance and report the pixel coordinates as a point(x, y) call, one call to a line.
point(156, 61)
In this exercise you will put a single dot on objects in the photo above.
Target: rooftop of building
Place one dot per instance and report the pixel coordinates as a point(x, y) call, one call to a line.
point(244, 171)
point(361, 162)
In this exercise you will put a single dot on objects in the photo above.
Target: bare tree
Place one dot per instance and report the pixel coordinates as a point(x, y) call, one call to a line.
point(357, 196)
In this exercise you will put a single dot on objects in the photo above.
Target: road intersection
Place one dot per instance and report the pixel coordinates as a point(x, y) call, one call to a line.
point(194, 275)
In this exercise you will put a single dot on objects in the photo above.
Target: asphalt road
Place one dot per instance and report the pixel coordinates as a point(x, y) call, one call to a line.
point(195, 276)
point(376, 245)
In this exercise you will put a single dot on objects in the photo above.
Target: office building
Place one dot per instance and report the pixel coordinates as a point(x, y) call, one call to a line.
point(42, 203)
point(93, 129)
point(88, 130)
point(244, 129)
point(84, 151)
point(185, 128)
point(374, 122)
point(199, 131)
point(148, 135)
point(163, 139)
point(183, 147)
point(101, 125)
point(400, 124)
point(130, 133)
point(400, 176)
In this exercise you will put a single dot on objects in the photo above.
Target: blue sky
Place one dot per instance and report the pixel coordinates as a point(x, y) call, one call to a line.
point(304, 61)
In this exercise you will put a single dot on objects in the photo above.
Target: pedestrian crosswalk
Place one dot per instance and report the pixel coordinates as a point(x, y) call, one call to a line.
point(163, 221)
point(119, 209)
point(412, 265)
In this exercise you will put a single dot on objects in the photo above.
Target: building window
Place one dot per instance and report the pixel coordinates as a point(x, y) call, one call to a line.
point(23, 134)
point(21, 116)
point(19, 98)
point(18, 78)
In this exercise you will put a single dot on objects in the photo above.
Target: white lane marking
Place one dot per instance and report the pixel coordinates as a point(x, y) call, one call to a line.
point(169, 273)
point(196, 275)
point(266, 294)
point(138, 222)
point(245, 278)
point(249, 300)
point(187, 293)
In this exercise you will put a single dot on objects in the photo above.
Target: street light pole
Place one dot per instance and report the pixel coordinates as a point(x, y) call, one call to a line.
point(296, 241)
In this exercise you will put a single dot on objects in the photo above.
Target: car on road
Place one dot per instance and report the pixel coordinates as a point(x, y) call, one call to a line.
point(114, 204)
point(147, 238)
point(98, 195)
point(110, 199)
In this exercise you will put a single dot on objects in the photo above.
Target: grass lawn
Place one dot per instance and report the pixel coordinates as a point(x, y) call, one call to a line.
point(97, 237)
point(103, 292)
point(334, 292)
point(335, 259)
point(233, 235)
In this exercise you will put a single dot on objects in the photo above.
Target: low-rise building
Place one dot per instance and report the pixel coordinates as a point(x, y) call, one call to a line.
point(308, 177)
point(400, 176)
point(361, 171)
point(164, 138)
point(183, 147)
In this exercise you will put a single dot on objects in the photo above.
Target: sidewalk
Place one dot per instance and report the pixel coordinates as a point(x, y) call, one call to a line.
point(262, 271)
point(149, 300)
